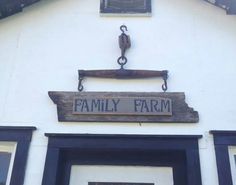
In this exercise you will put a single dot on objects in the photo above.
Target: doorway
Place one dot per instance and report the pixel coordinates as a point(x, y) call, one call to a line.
point(87, 159)
point(120, 175)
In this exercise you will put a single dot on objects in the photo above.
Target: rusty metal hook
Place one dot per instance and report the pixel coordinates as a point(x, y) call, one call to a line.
point(123, 28)
point(164, 86)
point(80, 86)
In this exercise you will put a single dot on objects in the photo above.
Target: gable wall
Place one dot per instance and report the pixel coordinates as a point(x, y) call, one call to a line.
point(42, 48)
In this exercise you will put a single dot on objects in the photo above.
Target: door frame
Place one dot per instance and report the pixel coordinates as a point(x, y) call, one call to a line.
point(223, 139)
point(181, 152)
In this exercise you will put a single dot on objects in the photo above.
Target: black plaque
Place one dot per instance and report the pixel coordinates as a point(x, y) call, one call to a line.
point(132, 7)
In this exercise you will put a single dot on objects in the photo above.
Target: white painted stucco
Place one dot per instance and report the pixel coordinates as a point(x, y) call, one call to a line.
point(42, 48)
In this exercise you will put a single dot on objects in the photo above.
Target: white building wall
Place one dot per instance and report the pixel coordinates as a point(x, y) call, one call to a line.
point(42, 48)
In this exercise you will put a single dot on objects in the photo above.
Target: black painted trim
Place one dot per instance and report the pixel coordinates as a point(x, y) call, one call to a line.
point(223, 132)
point(11, 7)
point(66, 135)
point(178, 151)
point(222, 140)
point(228, 5)
point(22, 136)
point(16, 128)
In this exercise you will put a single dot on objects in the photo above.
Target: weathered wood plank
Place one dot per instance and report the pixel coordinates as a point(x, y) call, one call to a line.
point(181, 113)
point(122, 73)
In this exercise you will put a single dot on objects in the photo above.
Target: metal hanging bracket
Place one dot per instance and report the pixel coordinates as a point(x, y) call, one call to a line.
point(124, 44)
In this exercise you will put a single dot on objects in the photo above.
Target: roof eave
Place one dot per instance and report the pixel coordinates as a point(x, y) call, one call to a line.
point(228, 5)
point(11, 7)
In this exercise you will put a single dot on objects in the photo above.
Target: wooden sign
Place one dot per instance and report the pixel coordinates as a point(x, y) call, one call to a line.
point(123, 107)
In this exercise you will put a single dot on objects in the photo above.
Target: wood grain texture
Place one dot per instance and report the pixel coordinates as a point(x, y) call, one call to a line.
point(122, 73)
point(182, 113)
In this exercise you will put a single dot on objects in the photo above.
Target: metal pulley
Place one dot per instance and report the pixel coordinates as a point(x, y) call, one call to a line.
point(124, 44)
point(124, 40)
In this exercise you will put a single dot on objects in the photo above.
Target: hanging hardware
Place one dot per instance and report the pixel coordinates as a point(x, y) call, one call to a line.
point(124, 44)
point(80, 86)
point(164, 86)
point(123, 28)
point(122, 61)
